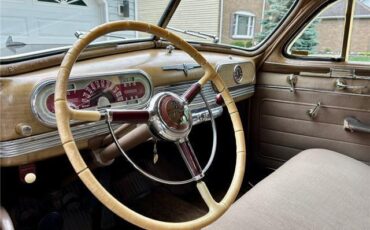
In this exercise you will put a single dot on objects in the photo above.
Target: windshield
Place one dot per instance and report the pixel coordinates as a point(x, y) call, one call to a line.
point(38, 25)
point(34, 25)
point(241, 23)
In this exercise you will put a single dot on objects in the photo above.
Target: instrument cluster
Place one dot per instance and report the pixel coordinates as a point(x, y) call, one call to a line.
point(129, 90)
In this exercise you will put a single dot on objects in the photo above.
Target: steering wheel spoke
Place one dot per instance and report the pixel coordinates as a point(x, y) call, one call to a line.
point(191, 160)
point(127, 116)
point(192, 92)
point(84, 115)
point(114, 115)
point(208, 198)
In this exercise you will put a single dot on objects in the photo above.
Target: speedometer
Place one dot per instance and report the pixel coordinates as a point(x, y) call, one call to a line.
point(130, 90)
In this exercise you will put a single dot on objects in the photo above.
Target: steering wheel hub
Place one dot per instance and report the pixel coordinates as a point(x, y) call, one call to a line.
point(171, 117)
point(174, 113)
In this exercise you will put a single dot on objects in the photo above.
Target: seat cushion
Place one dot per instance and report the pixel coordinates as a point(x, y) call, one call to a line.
point(317, 189)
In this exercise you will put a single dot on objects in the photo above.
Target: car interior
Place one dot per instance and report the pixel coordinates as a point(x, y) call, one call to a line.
point(184, 114)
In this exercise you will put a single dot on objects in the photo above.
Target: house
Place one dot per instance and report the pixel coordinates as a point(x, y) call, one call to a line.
point(331, 27)
point(232, 22)
point(241, 20)
point(56, 21)
point(366, 2)
point(205, 15)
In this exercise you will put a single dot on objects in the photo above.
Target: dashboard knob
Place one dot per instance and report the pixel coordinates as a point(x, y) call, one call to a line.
point(27, 173)
point(23, 129)
point(219, 99)
point(29, 178)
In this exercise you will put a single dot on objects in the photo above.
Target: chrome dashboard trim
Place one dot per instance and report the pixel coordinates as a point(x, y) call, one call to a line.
point(197, 103)
point(242, 91)
point(51, 139)
point(39, 87)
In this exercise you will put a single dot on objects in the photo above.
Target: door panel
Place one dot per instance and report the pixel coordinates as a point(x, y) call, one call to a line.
point(282, 127)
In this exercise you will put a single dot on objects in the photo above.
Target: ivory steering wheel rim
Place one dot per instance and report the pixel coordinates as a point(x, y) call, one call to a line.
point(64, 114)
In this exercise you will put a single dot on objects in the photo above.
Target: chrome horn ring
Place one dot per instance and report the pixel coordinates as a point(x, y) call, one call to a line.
point(187, 131)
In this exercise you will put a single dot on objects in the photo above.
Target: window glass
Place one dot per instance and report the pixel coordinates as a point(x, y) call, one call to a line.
point(323, 37)
point(36, 25)
point(360, 40)
point(243, 23)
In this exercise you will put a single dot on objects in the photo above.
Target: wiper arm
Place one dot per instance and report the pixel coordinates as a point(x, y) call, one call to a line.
point(78, 34)
point(196, 34)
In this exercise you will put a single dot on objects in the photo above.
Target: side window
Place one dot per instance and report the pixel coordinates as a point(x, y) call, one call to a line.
point(243, 25)
point(323, 36)
point(360, 40)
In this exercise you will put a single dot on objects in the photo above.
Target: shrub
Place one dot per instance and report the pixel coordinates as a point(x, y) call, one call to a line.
point(242, 43)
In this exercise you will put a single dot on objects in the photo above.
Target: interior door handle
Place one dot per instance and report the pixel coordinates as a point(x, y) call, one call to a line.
point(353, 125)
point(341, 84)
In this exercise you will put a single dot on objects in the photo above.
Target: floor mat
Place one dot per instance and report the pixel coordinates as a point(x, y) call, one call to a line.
point(163, 205)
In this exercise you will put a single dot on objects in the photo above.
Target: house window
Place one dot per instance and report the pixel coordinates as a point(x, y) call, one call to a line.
point(67, 2)
point(243, 25)
point(124, 8)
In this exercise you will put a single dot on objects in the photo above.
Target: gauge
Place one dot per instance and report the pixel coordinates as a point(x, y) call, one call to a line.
point(129, 90)
point(238, 74)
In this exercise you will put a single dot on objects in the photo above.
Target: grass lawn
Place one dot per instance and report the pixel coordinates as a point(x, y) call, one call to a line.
point(360, 58)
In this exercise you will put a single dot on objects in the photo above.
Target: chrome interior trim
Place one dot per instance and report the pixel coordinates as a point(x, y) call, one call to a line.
point(208, 92)
point(233, 65)
point(312, 90)
point(157, 124)
point(197, 103)
point(292, 81)
point(51, 139)
point(243, 91)
point(202, 115)
point(332, 74)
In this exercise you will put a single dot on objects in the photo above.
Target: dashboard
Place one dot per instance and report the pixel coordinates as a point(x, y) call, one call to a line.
point(118, 81)
point(128, 90)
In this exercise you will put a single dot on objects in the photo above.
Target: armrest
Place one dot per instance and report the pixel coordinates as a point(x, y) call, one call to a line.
point(353, 125)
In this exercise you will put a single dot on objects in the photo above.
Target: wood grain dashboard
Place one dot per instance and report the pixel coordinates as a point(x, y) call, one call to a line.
point(16, 91)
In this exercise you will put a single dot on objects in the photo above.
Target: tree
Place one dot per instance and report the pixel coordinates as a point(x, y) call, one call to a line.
point(308, 39)
point(277, 9)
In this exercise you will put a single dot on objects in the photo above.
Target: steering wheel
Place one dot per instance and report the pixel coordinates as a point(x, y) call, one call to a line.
point(164, 124)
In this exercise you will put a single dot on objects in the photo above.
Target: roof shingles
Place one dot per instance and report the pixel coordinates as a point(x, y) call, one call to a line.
point(339, 9)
